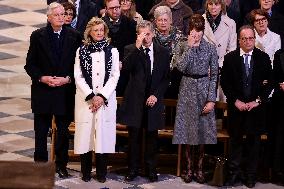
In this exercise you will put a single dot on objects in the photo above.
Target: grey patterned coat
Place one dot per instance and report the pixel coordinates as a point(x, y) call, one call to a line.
point(191, 126)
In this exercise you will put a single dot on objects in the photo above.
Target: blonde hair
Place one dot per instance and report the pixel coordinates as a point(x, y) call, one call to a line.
point(222, 2)
point(94, 22)
point(53, 6)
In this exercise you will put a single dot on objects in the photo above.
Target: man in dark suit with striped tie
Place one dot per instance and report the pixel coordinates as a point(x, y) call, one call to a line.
point(246, 82)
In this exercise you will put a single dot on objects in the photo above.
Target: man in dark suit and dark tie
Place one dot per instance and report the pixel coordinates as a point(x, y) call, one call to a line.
point(246, 82)
point(148, 66)
point(121, 32)
point(49, 63)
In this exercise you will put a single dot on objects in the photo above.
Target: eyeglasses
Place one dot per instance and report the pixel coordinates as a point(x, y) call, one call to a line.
point(125, 1)
point(114, 8)
point(68, 14)
point(264, 19)
point(244, 39)
point(58, 15)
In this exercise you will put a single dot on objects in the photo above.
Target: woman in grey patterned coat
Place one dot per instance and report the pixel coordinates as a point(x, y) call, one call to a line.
point(195, 118)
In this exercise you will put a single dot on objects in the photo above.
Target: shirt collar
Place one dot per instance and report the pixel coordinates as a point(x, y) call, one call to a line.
point(58, 32)
point(151, 47)
point(110, 19)
point(242, 52)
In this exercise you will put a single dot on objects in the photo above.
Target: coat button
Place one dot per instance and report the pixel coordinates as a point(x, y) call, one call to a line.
point(98, 74)
point(97, 87)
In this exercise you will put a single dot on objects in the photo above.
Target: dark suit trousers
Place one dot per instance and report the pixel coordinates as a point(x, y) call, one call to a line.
point(42, 123)
point(135, 142)
point(249, 149)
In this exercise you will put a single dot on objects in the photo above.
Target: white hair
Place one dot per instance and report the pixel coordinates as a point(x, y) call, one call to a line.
point(53, 6)
point(161, 10)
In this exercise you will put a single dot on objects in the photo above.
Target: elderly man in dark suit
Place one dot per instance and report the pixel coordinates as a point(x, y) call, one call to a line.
point(49, 63)
point(148, 65)
point(246, 82)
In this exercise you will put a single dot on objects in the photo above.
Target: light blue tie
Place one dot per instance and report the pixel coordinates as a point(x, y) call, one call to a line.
point(74, 21)
point(247, 64)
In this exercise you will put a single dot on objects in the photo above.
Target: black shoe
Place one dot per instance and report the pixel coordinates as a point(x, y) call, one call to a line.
point(250, 184)
point(153, 177)
point(131, 176)
point(86, 178)
point(101, 179)
point(231, 181)
point(62, 172)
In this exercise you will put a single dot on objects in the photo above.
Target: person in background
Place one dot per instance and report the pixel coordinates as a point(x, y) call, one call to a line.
point(168, 36)
point(233, 11)
point(276, 20)
point(195, 123)
point(246, 104)
point(278, 114)
point(220, 30)
point(148, 64)
point(85, 9)
point(69, 14)
point(180, 13)
point(266, 40)
point(122, 32)
point(128, 8)
point(96, 74)
point(50, 62)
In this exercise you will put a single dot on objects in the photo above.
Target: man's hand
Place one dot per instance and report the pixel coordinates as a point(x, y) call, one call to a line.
point(97, 102)
point(151, 101)
point(54, 81)
point(281, 86)
point(209, 106)
point(139, 40)
point(251, 105)
point(241, 105)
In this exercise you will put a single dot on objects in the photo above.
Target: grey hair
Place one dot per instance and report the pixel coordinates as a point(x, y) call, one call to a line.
point(161, 10)
point(52, 6)
point(144, 24)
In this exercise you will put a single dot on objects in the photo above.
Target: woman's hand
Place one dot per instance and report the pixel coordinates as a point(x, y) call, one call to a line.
point(194, 38)
point(209, 106)
point(97, 102)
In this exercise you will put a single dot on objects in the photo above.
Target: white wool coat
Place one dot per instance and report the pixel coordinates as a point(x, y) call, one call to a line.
point(96, 131)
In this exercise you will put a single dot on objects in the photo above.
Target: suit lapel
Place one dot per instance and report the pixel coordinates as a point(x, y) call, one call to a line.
point(282, 60)
point(46, 45)
point(222, 28)
point(209, 33)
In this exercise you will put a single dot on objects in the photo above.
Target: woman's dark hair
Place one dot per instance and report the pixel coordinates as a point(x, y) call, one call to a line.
point(196, 22)
point(67, 6)
point(253, 13)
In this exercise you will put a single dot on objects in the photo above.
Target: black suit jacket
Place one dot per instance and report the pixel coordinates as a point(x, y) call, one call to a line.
point(232, 82)
point(278, 77)
point(40, 62)
point(134, 104)
point(87, 10)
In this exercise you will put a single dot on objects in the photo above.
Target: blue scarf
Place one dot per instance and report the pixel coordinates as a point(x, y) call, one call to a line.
point(86, 60)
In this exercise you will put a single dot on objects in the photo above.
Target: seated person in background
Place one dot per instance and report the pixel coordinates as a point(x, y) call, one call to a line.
point(69, 14)
point(220, 30)
point(169, 37)
point(128, 8)
point(180, 11)
point(265, 40)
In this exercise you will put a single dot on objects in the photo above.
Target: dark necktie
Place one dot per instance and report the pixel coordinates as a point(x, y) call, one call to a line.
point(146, 51)
point(247, 64)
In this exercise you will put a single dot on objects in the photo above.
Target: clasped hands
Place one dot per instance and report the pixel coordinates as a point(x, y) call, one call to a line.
point(246, 106)
point(96, 103)
point(54, 81)
point(151, 101)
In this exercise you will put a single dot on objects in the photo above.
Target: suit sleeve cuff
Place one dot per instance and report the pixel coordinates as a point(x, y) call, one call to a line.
point(90, 96)
point(104, 98)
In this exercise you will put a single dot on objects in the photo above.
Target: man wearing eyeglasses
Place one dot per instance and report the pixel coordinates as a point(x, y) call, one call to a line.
point(246, 82)
point(50, 61)
point(122, 32)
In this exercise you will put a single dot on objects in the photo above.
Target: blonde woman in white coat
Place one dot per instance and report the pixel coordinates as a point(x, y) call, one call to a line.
point(220, 30)
point(96, 73)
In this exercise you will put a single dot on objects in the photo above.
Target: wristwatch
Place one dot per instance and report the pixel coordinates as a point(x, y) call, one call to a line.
point(258, 100)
